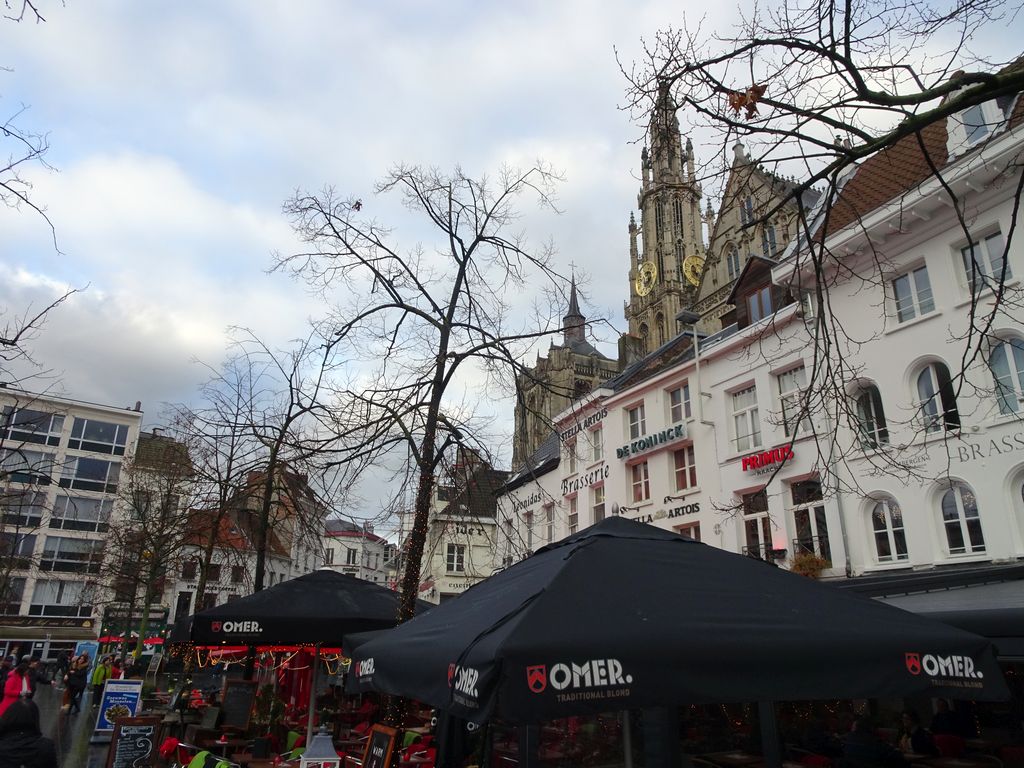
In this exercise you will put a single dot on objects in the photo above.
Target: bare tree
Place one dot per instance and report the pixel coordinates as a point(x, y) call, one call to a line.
point(814, 89)
point(428, 332)
point(20, 147)
point(154, 521)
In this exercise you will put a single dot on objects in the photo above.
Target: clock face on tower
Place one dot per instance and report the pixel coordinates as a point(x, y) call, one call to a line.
point(692, 267)
point(646, 278)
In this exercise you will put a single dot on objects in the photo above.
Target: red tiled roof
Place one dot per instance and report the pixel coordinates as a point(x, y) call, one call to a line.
point(888, 174)
point(897, 170)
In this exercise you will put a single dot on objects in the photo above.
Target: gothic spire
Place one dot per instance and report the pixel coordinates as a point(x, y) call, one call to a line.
point(573, 322)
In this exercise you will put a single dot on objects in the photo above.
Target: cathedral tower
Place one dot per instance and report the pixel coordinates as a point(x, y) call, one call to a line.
point(570, 370)
point(665, 267)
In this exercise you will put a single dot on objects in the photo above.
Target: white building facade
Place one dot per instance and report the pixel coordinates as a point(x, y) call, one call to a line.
point(895, 462)
point(59, 473)
point(355, 549)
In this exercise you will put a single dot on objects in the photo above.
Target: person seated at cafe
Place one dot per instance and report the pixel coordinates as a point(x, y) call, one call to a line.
point(944, 721)
point(862, 747)
point(914, 738)
point(818, 740)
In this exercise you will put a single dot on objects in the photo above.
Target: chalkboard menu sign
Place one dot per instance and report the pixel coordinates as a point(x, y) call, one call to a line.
point(379, 747)
point(133, 743)
point(236, 703)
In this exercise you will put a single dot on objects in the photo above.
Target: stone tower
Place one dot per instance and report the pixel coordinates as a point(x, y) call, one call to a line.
point(665, 266)
point(752, 221)
point(570, 370)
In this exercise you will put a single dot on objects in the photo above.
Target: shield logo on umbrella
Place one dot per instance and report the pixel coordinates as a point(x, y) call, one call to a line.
point(451, 674)
point(913, 663)
point(215, 626)
point(537, 677)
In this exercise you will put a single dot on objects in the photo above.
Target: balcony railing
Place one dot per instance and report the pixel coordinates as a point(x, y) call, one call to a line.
point(765, 552)
point(814, 545)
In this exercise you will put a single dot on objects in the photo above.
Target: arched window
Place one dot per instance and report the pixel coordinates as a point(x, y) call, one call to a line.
point(936, 399)
point(1006, 361)
point(768, 247)
point(871, 417)
point(659, 324)
point(887, 529)
point(961, 521)
point(677, 212)
point(732, 262)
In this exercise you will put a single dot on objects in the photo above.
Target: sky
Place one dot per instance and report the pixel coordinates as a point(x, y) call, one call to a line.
point(177, 131)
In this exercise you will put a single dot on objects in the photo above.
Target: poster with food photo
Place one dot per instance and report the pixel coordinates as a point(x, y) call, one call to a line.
point(121, 698)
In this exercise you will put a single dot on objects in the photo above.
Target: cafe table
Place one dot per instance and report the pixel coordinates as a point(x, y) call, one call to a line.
point(224, 743)
point(958, 762)
point(733, 759)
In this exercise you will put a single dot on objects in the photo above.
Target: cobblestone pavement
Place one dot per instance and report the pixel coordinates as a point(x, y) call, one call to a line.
point(71, 733)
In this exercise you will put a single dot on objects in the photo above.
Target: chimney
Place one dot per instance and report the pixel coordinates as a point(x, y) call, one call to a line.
point(138, 406)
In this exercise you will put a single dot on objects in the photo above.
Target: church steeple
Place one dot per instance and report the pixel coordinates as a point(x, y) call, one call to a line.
point(670, 228)
point(573, 324)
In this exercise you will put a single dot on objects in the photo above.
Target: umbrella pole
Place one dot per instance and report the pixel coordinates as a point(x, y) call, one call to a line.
point(627, 740)
point(770, 747)
point(312, 697)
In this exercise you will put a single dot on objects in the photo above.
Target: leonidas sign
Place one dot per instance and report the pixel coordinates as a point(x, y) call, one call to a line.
point(765, 459)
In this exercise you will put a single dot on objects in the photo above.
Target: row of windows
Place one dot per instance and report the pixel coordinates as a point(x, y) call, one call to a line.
point(78, 472)
point(984, 268)
point(28, 426)
point(51, 597)
point(958, 516)
point(74, 513)
point(60, 553)
point(935, 396)
point(937, 403)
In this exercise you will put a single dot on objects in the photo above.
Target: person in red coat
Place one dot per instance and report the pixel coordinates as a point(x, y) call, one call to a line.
point(17, 685)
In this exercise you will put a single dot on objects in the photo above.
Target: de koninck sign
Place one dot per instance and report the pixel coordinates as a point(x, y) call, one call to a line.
point(647, 442)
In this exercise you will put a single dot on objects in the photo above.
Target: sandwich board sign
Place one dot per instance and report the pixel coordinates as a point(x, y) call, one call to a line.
point(121, 698)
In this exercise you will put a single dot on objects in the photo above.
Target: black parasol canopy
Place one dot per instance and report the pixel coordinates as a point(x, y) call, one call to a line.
point(319, 607)
point(625, 615)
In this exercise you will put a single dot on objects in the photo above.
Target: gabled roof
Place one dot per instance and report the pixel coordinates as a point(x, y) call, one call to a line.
point(337, 527)
point(742, 277)
point(896, 170)
point(540, 462)
point(477, 494)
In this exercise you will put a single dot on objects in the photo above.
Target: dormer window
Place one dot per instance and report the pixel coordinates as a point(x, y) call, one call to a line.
point(759, 304)
point(975, 125)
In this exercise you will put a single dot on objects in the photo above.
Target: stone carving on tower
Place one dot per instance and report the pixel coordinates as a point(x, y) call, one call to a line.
point(666, 264)
point(570, 371)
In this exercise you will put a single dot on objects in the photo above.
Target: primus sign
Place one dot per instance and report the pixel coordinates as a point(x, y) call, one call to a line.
point(763, 462)
point(647, 442)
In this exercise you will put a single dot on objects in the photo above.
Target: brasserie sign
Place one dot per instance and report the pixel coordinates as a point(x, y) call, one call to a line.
point(647, 442)
point(573, 484)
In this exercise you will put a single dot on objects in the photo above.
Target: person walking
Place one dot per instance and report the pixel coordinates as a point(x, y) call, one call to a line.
point(99, 677)
point(5, 667)
point(63, 665)
point(17, 685)
point(22, 743)
point(76, 680)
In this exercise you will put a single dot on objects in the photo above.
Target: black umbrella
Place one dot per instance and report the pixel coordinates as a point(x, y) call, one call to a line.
point(624, 615)
point(317, 608)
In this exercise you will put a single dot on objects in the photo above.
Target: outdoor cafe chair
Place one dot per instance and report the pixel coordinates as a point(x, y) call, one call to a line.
point(949, 745)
